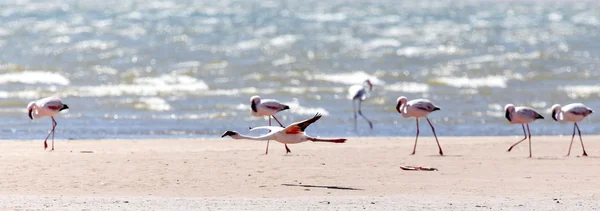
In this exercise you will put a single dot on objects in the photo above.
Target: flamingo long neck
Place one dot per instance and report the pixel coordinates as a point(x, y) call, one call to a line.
point(259, 138)
point(404, 109)
point(367, 86)
point(35, 111)
point(560, 116)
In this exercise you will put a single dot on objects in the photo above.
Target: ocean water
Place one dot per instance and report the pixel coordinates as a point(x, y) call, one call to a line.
point(186, 69)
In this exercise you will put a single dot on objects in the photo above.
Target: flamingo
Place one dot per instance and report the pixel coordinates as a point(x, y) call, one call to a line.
point(267, 107)
point(418, 108)
point(49, 106)
point(521, 115)
point(573, 112)
point(291, 134)
point(359, 93)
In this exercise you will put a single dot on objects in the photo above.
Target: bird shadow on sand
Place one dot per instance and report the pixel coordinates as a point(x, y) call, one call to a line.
point(322, 186)
point(548, 158)
point(445, 155)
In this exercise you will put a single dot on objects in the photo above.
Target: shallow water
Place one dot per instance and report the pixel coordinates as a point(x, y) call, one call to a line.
point(156, 69)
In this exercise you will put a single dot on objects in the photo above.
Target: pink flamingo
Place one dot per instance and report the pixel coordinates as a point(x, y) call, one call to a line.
point(418, 108)
point(359, 93)
point(521, 115)
point(267, 107)
point(49, 106)
point(291, 134)
point(573, 112)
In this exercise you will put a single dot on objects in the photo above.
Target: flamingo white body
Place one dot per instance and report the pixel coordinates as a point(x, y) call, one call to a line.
point(291, 134)
point(523, 116)
point(419, 108)
point(359, 93)
point(574, 112)
point(50, 107)
point(267, 107)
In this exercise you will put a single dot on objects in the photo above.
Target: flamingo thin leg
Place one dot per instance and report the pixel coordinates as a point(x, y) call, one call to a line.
point(528, 131)
point(434, 135)
point(48, 136)
point(416, 138)
point(53, 128)
point(287, 150)
point(572, 138)
point(509, 149)
point(580, 139)
point(267, 150)
point(354, 112)
point(361, 114)
point(277, 121)
point(50, 133)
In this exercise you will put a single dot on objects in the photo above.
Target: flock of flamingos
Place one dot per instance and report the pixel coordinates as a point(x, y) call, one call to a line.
point(294, 133)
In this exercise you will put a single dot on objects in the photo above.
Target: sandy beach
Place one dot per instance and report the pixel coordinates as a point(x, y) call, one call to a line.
point(476, 173)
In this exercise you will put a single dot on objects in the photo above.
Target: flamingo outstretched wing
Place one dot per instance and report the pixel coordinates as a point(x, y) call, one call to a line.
point(299, 127)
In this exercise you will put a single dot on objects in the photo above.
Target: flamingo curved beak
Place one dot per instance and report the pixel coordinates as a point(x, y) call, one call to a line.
point(253, 106)
point(30, 117)
point(398, 107)
point(554, 115)
point(507, 115)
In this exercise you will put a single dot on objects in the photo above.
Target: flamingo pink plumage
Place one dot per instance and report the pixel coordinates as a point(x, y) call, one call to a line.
point(573, 112)
point(267, 107)
point(418, 108)
point(521, 115)
point(359, 93)
point(49, 106)
point(291, 134)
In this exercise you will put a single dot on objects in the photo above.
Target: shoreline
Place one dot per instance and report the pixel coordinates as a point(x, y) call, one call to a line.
point(236, 172)
point(533, 138)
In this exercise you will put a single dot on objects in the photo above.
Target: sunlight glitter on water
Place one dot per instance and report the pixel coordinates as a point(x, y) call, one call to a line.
point(188, 66)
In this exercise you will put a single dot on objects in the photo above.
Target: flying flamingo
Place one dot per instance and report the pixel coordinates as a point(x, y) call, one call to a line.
point(267, 107)
point(521, 115)
point(291, 134)
point(359, 93)
point(418, 108)
point(49, 106)
point(573, 112)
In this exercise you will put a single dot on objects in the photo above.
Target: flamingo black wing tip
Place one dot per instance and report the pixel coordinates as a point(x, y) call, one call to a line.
point(318, 115)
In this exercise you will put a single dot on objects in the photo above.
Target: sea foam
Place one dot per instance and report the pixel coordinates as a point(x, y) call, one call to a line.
point(151, 103)
point(34, 77)
point(296, 108)
point(146, 86)
point(580, 91)
point(410, 87)
point(349, 78)
point(465, 82)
